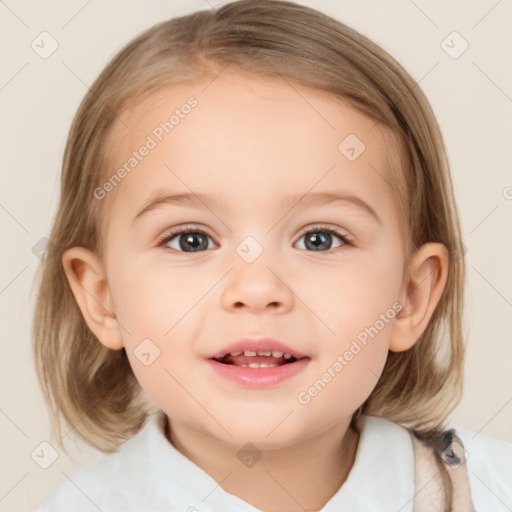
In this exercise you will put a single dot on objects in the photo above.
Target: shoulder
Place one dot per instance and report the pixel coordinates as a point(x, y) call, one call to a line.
point(147, 474)
point(489, 465)
point(103, 485)
point(488, 460)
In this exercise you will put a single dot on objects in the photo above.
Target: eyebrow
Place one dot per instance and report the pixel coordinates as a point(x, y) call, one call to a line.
point(289, 201)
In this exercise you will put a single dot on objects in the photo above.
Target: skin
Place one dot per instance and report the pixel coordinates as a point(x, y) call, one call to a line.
point(250, 142)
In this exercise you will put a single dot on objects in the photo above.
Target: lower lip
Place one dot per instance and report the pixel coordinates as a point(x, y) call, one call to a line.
point(258, 377)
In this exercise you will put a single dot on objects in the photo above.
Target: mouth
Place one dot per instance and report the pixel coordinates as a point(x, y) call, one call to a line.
point(258, 362)
point(257, 359)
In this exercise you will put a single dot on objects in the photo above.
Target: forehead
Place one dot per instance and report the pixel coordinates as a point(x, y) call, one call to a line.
point(249, 141)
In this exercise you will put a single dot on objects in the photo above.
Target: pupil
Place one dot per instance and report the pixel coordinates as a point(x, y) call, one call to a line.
point(190, 241)
point(320, 240)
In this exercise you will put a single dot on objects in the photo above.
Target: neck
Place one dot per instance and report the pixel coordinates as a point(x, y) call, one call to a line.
point(300, 477)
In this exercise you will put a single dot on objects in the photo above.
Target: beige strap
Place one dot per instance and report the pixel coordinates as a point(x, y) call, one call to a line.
point(430, 493)
point(428, 484)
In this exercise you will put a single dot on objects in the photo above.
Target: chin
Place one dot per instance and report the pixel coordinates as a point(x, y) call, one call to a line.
point(265, 433)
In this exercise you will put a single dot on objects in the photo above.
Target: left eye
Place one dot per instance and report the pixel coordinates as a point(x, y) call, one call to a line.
point(321, 240)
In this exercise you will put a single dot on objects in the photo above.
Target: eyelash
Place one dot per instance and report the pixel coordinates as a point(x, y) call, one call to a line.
point(167, 237)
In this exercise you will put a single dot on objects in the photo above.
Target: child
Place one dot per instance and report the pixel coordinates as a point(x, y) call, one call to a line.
point(254, 293)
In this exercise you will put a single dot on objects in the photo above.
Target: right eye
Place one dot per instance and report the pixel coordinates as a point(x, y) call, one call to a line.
point(186, 239)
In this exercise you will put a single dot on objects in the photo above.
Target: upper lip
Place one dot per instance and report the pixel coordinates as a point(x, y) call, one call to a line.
point(260, 344)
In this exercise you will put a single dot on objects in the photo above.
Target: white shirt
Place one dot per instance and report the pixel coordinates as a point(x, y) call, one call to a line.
point(148, 474)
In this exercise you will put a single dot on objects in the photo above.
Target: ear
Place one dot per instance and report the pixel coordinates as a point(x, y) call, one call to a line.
point(423, 287)
point(87, 279)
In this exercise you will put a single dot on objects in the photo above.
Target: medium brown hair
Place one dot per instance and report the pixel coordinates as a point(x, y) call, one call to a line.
point(94, 387)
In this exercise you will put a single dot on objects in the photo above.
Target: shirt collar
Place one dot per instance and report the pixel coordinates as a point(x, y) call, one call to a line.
point(381, 478)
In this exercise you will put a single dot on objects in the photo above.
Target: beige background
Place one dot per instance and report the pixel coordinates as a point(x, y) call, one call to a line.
point(471, 95)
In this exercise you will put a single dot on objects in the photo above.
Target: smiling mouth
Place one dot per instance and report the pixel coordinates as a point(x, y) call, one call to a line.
point(263, 359)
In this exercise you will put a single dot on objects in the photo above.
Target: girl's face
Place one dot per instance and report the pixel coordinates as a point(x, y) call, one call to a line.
point(300, 242)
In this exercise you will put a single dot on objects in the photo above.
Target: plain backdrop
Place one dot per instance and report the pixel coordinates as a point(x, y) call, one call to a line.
point(471, 94)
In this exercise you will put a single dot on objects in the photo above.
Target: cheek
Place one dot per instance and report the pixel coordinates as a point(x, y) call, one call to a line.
point(157, 307)
point(359, 304)
point(354, 296)
point(150, 299)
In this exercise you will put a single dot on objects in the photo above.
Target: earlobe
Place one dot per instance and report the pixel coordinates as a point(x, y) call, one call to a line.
point(87, 279)
point(422, 291)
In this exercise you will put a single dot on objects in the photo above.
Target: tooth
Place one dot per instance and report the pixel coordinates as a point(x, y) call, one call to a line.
point(237, 353)
point(256, 365)
point(265, 353)
point(249, 353)
point(287, 356)
point(276, 353)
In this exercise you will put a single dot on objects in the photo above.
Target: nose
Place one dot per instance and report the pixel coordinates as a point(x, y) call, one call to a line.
point(257, 287)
